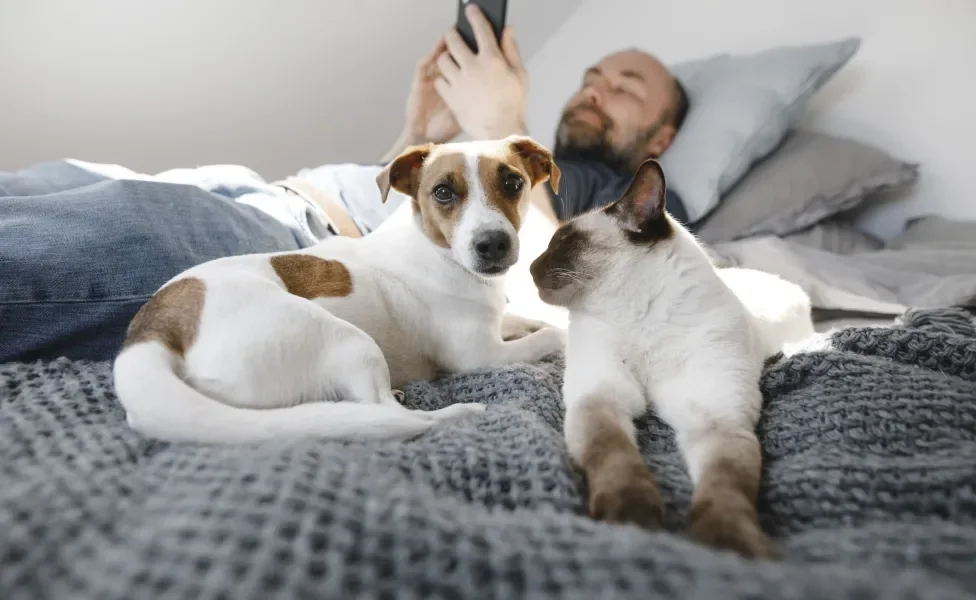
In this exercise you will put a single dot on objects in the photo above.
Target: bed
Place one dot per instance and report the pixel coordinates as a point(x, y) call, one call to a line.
point(868, 431)
point(869, 438)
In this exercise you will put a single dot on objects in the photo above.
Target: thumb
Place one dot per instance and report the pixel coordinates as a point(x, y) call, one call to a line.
point(510, 49)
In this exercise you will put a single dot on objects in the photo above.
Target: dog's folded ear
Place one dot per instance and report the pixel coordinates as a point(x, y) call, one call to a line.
point(537, 159)
point(403, 172)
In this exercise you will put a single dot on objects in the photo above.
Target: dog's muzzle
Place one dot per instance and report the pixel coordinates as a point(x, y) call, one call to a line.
point(493, 252)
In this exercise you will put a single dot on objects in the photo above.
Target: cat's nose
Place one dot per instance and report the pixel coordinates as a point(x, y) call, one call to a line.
point(537, 269)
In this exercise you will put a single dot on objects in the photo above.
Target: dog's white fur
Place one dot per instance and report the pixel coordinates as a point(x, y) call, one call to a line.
point(263, 360)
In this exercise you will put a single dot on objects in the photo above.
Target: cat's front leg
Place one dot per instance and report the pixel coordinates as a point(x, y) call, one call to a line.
point(723, 506)
point(724, 461)
point(599, 434)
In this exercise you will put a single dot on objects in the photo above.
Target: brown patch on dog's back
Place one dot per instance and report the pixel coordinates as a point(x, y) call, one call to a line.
point(438, 220)
point(171, 316)
point(621, 488)
point(311, 277)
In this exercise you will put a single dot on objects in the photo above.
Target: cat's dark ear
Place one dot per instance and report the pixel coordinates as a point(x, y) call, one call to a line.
point(640, 211)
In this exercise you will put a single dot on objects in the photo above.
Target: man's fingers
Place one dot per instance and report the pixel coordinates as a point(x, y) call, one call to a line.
point(443, 89)
point(423, 65)
point(447, 67)
point(460, 52)
point(483, 33)
point(510, 49)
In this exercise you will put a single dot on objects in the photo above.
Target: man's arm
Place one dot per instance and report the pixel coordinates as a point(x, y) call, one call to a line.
point(426, 117)
point(403, 140)
point(487, 91)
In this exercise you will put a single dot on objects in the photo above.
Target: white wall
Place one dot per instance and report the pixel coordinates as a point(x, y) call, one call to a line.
point(275, 85)
point(910, 89)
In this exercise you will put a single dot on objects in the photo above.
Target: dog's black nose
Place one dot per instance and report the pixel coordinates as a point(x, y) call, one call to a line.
point(492, 246)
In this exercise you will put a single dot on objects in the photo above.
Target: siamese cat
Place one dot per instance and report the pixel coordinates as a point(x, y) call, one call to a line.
point(654, 324)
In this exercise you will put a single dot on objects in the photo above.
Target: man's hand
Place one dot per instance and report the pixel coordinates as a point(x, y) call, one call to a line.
point(485, 91)
point(428, 118)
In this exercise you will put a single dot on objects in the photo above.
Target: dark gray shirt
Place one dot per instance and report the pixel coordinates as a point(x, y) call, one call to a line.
point(586, 185)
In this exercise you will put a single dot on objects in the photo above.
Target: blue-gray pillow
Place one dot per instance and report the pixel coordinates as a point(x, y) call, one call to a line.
point(742, 106)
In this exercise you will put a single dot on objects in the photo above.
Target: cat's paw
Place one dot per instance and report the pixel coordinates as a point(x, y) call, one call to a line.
point(399, 395)
point(735, 530)
point(634, 499)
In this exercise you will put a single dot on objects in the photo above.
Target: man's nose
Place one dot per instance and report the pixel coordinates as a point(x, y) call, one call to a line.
point(593, 95)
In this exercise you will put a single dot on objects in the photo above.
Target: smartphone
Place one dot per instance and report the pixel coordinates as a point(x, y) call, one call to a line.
point(494, 11)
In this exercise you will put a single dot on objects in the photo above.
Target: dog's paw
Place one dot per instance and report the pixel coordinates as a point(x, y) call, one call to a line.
point(399, 395)
point(457, 411)
point(552, 339)
point(513, 329)
point(634, 500)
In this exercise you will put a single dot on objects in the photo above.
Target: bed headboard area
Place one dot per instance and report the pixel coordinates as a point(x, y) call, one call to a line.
point(799, 110)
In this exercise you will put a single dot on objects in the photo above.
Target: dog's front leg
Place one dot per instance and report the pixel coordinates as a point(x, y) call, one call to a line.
point(480, 348)
point(516, 326)
point(529, 348)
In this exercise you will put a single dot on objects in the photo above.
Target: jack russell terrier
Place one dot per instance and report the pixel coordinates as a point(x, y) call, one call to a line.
point(250, 348)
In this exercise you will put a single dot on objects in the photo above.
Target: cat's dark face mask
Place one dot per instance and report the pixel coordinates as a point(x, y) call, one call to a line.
point(559, 272)
point(582, 253)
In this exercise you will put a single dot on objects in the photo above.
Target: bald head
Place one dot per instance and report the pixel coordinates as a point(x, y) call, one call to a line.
point(627, 109)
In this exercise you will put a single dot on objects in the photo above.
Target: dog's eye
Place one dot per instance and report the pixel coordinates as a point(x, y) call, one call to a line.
point(443, 194)
point(513, 184)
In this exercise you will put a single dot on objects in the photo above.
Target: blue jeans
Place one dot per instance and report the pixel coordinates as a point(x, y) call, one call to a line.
point(84, 246)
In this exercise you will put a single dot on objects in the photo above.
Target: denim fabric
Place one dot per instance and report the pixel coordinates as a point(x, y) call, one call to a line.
point(81, 249)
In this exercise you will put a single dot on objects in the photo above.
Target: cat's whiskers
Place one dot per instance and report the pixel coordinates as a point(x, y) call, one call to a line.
point(571, 275)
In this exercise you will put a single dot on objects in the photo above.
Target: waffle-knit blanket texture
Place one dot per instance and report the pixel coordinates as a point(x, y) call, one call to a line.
point(869, 441)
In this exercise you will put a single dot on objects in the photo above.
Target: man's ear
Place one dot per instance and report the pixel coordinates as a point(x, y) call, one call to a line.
point(403, 173)
point(642, 205)
point(661, 140)
point(538, 160)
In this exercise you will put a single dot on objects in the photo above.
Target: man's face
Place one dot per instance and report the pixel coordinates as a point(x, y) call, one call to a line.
point(618, 115)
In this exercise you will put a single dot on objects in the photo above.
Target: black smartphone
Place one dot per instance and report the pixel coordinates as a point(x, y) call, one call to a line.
point(494, 11)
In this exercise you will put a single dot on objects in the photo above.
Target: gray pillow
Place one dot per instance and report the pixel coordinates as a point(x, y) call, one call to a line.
point(741, 107)
point(810, 177)
point(935, 231)
point(838, 235)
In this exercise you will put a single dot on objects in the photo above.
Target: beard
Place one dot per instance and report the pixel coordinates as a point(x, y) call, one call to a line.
point(586, 141)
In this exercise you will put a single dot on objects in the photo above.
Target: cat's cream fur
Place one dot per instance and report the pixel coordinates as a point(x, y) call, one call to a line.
point(653, 324)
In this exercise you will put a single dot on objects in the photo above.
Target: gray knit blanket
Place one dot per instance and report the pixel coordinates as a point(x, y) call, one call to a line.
point(870, 448)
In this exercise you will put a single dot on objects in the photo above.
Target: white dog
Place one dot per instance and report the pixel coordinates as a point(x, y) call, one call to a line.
point(247, 348)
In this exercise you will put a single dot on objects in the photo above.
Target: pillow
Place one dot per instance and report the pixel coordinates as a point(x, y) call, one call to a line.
point(741, 106)
point(935, 232)
point(838, 235)
point(810, 177)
